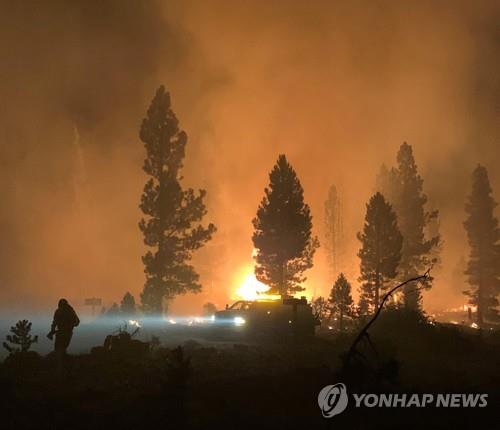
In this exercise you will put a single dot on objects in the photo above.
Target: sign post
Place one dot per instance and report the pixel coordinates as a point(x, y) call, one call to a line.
point(93, 301)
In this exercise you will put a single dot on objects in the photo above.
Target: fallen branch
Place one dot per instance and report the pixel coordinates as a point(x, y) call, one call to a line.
point(364, 332)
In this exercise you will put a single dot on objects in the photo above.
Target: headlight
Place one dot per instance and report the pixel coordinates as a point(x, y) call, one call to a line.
point(135, 323)
point(239, 321)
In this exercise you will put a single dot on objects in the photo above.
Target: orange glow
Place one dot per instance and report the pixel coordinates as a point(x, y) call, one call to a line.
point(249, 287)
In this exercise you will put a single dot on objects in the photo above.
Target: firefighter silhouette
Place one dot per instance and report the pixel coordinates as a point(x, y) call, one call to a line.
point(65, 319)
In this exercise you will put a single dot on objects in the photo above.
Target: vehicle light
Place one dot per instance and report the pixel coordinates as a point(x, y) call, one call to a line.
point(239, 321)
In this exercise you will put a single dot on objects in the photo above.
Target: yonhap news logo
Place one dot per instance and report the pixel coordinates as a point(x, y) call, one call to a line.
point(333, 400)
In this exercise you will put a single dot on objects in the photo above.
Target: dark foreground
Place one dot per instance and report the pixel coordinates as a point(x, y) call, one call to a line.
point(248, 385)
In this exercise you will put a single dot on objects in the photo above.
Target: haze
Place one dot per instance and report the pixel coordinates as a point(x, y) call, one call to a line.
point(336, 86)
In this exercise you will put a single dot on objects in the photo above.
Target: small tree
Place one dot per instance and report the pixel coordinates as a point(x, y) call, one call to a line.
point(127, 305)
point(209, 309)
point(320, 308)
point(380, 251)
point(171, 226)
point(20, 339)
point(340, 300)
point(282, 236)
point(483, 268)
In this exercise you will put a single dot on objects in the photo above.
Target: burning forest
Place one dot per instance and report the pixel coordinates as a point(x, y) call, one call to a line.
point(277, 213)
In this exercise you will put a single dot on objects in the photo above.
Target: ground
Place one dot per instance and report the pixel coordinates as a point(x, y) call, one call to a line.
point(243, 384)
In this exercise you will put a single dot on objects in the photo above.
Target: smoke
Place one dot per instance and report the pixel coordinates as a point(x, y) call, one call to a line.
point(73, 81)
point(337, 86)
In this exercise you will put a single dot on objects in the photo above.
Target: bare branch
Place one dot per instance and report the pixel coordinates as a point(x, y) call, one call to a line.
point(364, 332)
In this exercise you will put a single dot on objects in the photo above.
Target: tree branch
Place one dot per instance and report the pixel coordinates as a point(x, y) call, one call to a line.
point(364, 331)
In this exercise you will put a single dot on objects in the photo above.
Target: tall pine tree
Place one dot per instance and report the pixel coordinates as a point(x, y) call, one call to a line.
point(380, 253)
point(171, 225)
point(404, 189)
point(483, 268)
point(340, 300)
point(282, 237)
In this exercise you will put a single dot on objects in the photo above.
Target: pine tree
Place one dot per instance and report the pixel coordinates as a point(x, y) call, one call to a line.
point(20, 339)
point(282, 236)
point(171, 226)
point(409, 200)
point(380, 253)
point(127, 305)
point(334, 230)
point(483, 268)
point(340, 300)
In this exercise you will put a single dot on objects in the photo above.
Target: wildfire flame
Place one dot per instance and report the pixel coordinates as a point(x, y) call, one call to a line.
point(250, 288)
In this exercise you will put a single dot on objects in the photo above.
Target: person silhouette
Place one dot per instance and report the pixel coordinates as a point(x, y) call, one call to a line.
point(65, 320)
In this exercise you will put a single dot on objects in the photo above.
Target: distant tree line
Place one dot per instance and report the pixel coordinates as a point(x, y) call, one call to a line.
point(401, 239)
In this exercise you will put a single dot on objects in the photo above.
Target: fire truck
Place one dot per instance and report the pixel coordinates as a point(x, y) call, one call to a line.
point(287, 317)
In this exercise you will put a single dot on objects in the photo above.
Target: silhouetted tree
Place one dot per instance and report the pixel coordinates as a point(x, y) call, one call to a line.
point(320, 308)
point(282, 237)
point(127, 305)
point(209, 309)
point(334, 230)
point(172, 215)
point(20, 338)
point(483, 268)
point(340, 300)
point(408, 201)
point(380, 252)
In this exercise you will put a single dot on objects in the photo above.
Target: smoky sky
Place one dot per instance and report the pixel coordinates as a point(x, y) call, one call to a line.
point(336, 86)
